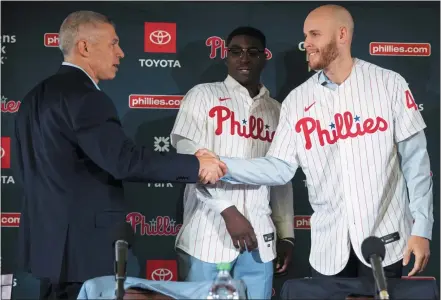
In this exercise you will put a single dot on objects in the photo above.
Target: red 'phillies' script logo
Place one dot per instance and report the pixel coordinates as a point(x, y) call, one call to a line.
point(342, 122)
point(253, 128)
point(216, 43)
point(159, 226)
point(10, 106)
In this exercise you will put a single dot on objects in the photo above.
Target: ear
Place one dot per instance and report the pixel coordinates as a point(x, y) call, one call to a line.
point(83, 48)
point(343, 34)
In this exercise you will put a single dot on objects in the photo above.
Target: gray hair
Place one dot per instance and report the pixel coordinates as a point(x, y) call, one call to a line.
point(69, 30)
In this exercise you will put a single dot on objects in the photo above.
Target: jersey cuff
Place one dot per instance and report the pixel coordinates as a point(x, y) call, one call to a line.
point(422, 228)
point(213, 197)
point(411, 132)
point(218, 205)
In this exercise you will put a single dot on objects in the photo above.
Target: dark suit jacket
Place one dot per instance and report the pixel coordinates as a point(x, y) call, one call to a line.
point(72, 155)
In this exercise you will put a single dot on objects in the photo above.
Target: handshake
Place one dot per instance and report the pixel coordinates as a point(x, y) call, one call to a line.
point(211, 169)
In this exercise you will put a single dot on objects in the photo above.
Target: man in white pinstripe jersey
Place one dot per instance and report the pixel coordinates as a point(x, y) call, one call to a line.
point(238, 118)
point(357, 134)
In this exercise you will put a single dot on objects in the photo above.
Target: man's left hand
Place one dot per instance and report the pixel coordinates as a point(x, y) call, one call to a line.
point(419, 246)
point(284, 255)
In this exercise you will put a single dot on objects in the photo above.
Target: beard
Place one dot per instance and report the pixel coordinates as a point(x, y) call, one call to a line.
point(327, 54)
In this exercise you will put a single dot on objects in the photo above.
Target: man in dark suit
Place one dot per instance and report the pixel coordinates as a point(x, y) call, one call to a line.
point(73, 155)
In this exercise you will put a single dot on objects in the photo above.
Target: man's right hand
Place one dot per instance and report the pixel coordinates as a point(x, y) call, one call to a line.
point(210, 169)
point(204, 151)
point(240, 229)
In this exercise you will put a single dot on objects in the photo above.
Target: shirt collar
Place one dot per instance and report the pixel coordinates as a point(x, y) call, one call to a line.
point(326, 82)
point(78, 67)
point(232, 83)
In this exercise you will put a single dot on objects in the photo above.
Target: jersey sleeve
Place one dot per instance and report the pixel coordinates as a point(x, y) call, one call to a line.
point(282, 206)
point(283, 145)
point(191, 121)
point(407, 118)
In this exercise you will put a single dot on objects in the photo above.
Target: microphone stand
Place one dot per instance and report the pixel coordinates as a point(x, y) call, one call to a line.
point(381, 290)
point(119, 291)
point(120, 268)
point(380, 295)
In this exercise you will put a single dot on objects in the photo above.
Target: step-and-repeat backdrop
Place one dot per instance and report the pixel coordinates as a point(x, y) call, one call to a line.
point(185, 48)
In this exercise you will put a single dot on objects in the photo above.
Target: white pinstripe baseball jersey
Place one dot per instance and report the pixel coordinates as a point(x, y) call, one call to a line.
point(345, 142)
point(223, 118)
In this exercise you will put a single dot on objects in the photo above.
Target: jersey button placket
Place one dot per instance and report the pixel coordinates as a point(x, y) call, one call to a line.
point(341, 146)
point(251, 141)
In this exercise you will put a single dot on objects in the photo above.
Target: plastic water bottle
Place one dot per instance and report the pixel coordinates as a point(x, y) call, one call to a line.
point(223, 286)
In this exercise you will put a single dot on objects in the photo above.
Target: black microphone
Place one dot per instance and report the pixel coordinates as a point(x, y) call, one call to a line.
point(123, 240)
point(373, 251)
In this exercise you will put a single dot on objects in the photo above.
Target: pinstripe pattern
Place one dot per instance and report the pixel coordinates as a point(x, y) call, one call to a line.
point(355, 184)
point(223, 127)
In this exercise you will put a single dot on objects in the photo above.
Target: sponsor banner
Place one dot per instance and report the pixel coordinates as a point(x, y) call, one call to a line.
point(159, 63)
point(155, 101)
point(217, 43)
point(6, 39)
point(10, 219)
point(399, 49)
point(159, 185)
point(159, 37)
point(51, 40)
point(161, 144)
point(162, 270)
point(7, 179)
point(5, 152)
point(9, 106)
point(159, 226)
point(302, 222)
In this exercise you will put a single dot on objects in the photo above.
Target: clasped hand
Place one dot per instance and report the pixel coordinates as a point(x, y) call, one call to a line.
point(240, 229)
point(211, 168)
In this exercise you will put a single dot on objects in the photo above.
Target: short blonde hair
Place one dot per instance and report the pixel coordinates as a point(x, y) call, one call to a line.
point(69, 30)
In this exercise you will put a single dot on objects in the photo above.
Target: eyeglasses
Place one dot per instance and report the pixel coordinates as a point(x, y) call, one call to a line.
point(252, 52)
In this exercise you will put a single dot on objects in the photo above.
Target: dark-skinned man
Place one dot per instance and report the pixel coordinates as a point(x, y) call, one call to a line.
point(222, 222)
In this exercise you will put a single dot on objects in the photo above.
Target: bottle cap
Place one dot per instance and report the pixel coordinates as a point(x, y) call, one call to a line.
point(224, 266)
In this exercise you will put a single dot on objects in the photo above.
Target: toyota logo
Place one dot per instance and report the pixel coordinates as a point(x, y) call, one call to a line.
point(162, 275)
point(2, 152)
point(160, 37)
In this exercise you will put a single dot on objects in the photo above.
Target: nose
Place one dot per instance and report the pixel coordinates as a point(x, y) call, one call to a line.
point(307, 44)
point(120, 52)
point(244, 56)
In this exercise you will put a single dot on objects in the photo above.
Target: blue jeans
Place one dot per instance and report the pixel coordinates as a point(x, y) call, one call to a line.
point(257, 276)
